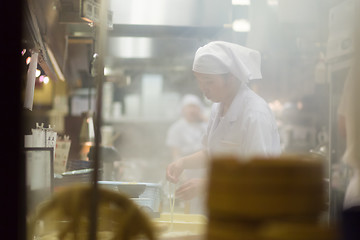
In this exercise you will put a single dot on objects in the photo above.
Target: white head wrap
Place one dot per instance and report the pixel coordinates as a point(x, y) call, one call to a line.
point(190, 99)
point(223, 57)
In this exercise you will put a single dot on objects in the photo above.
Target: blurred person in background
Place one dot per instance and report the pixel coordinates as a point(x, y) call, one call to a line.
point(184, 137)
point(240, 122)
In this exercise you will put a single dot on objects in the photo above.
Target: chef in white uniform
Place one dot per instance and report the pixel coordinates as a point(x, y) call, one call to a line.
point(184, 136)
point(240, 123)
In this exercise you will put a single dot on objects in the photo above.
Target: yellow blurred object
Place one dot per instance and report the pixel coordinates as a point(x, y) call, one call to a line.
point(184, 225)
point(248, 197)
point(232, 230)
point(266, 187)
point(297, 231)
point(66, 216)
point(44, 96)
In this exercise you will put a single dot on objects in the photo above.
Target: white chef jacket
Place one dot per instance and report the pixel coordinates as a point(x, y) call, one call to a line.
point(248, 127)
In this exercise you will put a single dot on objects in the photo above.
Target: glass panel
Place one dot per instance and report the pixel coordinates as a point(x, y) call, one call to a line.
point(131, 88)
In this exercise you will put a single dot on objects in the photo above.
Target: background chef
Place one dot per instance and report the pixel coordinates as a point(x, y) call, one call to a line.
point(184, 137)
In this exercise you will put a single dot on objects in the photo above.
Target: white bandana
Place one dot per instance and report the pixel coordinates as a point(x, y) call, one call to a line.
point(223, 57)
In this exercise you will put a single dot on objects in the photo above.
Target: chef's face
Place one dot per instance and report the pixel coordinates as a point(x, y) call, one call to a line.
point(214, 86)
point(192, 113)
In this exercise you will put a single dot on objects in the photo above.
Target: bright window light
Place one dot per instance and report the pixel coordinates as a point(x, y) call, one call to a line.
point(131, 47)
point(23, 52)
point(28, 60)
point(241, 25)
point(46, 80)
point(38, 72)
point(107, 71)
point(241, 2)
point(273, 2)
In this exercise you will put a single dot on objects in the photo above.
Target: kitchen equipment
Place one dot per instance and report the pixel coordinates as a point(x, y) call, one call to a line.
point(153, 193)
point(146, 195)
point(77, 164)
point(61, 154)
point(132, 190)
point(75, 176)
point(117, 216)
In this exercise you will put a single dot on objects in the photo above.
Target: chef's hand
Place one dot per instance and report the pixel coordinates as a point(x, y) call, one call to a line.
point(174, 170)
point(190, 189)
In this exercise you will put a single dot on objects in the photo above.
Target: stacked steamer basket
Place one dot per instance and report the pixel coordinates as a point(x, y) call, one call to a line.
point(266, 199)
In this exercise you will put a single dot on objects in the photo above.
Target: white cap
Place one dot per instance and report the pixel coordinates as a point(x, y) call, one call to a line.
point(223, 57)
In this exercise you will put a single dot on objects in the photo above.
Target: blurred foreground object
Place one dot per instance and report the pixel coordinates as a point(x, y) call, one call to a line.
point(66, 216)
point(267, 198)
point(351, 114)
point(180, 226)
